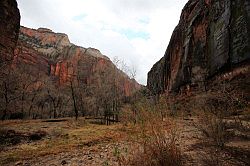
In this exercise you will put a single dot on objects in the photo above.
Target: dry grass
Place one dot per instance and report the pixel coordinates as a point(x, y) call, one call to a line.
point(155, 141)
point(61, 137)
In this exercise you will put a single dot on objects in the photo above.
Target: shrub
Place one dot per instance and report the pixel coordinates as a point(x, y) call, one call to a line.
point(213, 111)
point(213, 127)
point(37, 135)
point(16, 115)
point(156, 140)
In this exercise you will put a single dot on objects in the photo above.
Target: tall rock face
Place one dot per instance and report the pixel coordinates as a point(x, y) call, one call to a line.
point(53, 54)
point(212, 35)
point(9, 29)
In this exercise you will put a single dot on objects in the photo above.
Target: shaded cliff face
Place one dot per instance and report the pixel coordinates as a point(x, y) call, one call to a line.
point(53, 54)
point(9, 29)
point(212, 35)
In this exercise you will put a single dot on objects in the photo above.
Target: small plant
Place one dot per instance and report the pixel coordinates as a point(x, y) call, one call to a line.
point(57, 132)
point(117, 152)
point(106, 163)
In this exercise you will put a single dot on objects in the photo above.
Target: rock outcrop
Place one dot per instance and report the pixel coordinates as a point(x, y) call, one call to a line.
point(53, 54)
point(9, 29)
point(212, 36)
point(45, 41)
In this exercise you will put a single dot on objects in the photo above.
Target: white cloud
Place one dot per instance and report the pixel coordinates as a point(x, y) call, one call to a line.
point(136, 31)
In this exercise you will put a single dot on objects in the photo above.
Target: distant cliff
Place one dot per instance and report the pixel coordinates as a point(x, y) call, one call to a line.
point(44, 75)
point(53, 54)
point(212, 36)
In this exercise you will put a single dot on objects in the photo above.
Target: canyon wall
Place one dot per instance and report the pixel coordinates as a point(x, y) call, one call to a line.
point(9, 29)
point(212, 36)
point(53, 54)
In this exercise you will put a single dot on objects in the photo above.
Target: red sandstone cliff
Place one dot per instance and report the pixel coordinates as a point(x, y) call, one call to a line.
point(9, 29)
point(53, 54)
point(212, 36)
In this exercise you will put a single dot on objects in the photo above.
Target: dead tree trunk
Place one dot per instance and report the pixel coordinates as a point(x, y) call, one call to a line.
point(74, 99)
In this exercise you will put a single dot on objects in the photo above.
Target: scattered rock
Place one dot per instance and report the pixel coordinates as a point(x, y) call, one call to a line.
point(102, 155)
point(18, 163)
point(90, 157)
point(63, 162)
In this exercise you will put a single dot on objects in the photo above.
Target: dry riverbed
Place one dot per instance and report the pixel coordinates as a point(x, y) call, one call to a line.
point(67, 142)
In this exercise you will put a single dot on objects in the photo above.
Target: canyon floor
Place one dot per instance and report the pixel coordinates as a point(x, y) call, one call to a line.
point(84, 142)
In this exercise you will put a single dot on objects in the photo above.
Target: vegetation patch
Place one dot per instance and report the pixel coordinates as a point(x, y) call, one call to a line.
point(11, 137)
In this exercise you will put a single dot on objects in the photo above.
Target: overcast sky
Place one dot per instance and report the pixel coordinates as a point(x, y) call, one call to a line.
point(135, 31)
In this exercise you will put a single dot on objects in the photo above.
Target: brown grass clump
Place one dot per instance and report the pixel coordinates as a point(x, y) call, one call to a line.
point(156, 141)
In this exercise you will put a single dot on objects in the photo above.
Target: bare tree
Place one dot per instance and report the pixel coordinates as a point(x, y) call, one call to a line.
point(56, 100)
point(132, 72)
point(8, 90)
point(74, 98)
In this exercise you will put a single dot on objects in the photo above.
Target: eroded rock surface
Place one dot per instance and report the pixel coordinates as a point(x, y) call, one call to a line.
point(212, 35)
point(9, 29)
